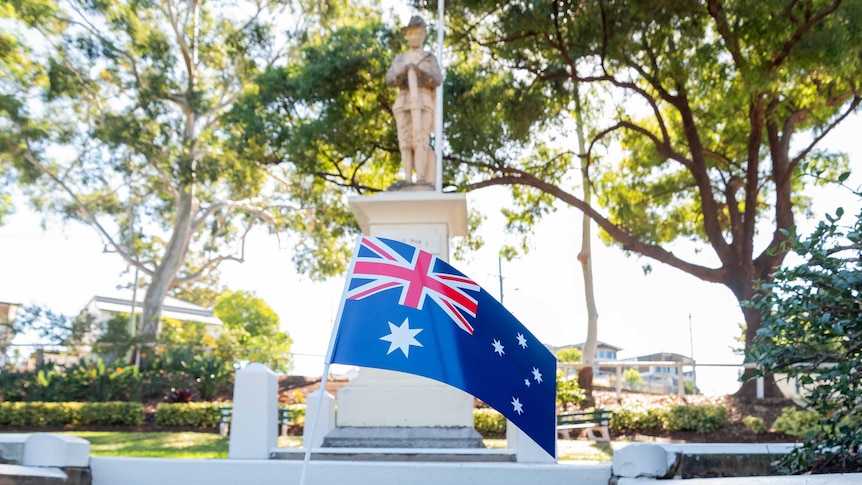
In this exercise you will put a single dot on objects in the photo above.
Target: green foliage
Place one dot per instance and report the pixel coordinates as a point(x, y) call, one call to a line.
point(702, 419)
point(297, 414)
point(755, 424)
point(116, 122)
point(571, 354)
point(114, 343)
point(184, 368)
point(197, 415)
point(633, 419)
point(489, 423)
point(811, 327)
point(797, 422)
point(35, 414)
point(47, 414)
point(632, 376)
point(95, 381)
point(568, 391)
point(252, 331)
point(108, 413)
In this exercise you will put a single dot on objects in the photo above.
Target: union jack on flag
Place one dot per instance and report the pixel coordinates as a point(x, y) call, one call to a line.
point(386, 322)
point(418, 277)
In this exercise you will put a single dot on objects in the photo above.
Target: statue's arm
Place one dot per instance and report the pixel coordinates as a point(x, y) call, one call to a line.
point(397, 73)
point(429, 71)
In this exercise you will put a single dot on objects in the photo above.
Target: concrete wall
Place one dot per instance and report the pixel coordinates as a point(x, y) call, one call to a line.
point(149, 471)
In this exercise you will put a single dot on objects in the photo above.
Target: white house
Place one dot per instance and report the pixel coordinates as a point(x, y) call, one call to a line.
point(104, 307)
point(664, 378)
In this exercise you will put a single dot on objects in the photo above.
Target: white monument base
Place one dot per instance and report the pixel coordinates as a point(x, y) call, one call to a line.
point(385, 409)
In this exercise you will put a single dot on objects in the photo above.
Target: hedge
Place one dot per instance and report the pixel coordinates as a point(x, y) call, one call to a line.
point(192, 414)
point(44, 414)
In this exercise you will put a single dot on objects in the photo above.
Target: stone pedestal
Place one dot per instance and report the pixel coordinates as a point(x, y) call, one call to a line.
point(386, 409)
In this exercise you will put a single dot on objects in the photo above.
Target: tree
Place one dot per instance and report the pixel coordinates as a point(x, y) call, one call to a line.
point(123, 130)
point(55, 329)
point(714, 115)
point(251, 331)
point(572, 354)
point(812, 324)
point(718, 106)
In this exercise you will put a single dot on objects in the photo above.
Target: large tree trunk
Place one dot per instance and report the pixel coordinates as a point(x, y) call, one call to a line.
point(744, 290)
point(166, 272)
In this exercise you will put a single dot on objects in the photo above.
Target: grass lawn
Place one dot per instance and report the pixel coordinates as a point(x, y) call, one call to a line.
point(211, 445)
point(164, 444)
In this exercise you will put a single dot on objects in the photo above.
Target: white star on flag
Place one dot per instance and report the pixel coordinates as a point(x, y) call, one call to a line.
point(401, 338)
point(519, 408)
point(527, 382)
point(498, 347)
point(522, 341)
point(536, 374)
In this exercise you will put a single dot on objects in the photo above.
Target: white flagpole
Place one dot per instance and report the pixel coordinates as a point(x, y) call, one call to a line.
point(327, 361)
point(438, 109)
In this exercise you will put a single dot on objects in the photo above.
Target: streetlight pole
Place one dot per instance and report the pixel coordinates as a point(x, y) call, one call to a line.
point(693, 367)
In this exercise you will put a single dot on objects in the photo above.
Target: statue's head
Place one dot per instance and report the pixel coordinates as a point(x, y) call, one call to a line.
point(415, 31)
point(416, 22)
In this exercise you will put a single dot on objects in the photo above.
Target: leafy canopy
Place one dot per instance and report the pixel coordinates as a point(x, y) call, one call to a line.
point(252, 331)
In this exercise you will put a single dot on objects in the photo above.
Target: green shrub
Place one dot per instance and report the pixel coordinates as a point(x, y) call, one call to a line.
point(34, 414)
point(797, 422)
point(702, 419)
point(192, 414)
point(297, 414)
point(635, 419)
point(113, 413)
point(488, 422)
point(568, 390)
point(755, 424)
point(44, 414)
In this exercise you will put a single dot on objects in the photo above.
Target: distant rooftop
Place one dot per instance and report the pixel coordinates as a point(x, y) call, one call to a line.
point(171, 308)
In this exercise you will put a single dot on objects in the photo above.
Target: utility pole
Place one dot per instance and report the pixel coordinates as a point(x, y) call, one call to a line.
point(500, 275)
point(693, 367)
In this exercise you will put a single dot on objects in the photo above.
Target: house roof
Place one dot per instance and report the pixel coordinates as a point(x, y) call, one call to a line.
point(171, 308)
point(599, 344)
point(665, 357)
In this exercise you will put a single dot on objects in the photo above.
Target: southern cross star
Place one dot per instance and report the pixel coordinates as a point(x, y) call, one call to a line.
point(401, 338)
point(522, 341)
point(519, 408)
point(536, 374)
point(498, 347)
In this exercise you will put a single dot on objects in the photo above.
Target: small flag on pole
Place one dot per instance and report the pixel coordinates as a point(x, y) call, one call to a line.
point(407, 310)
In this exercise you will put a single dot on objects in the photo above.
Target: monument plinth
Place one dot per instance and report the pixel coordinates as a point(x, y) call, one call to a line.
point(386, 409)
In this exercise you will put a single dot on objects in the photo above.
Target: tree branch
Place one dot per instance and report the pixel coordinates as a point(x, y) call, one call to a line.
point(511, 176)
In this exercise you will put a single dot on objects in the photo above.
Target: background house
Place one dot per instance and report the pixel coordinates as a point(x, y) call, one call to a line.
point(664, 378)
point(102, 308)
point(605, 352)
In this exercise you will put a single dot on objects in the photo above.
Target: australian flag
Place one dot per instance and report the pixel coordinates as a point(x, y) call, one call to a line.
point(407, 310)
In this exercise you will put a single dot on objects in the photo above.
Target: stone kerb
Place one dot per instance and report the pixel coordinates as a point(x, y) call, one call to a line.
point(52, 450)
point(649, 460)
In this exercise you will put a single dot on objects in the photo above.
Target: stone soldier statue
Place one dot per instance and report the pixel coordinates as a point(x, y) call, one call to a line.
point(416, 74)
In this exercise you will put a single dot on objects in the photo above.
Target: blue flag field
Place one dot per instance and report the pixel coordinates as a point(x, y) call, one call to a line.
point(407, 310)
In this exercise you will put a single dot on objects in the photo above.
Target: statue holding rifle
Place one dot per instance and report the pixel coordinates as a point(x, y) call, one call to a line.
point(416, 74)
